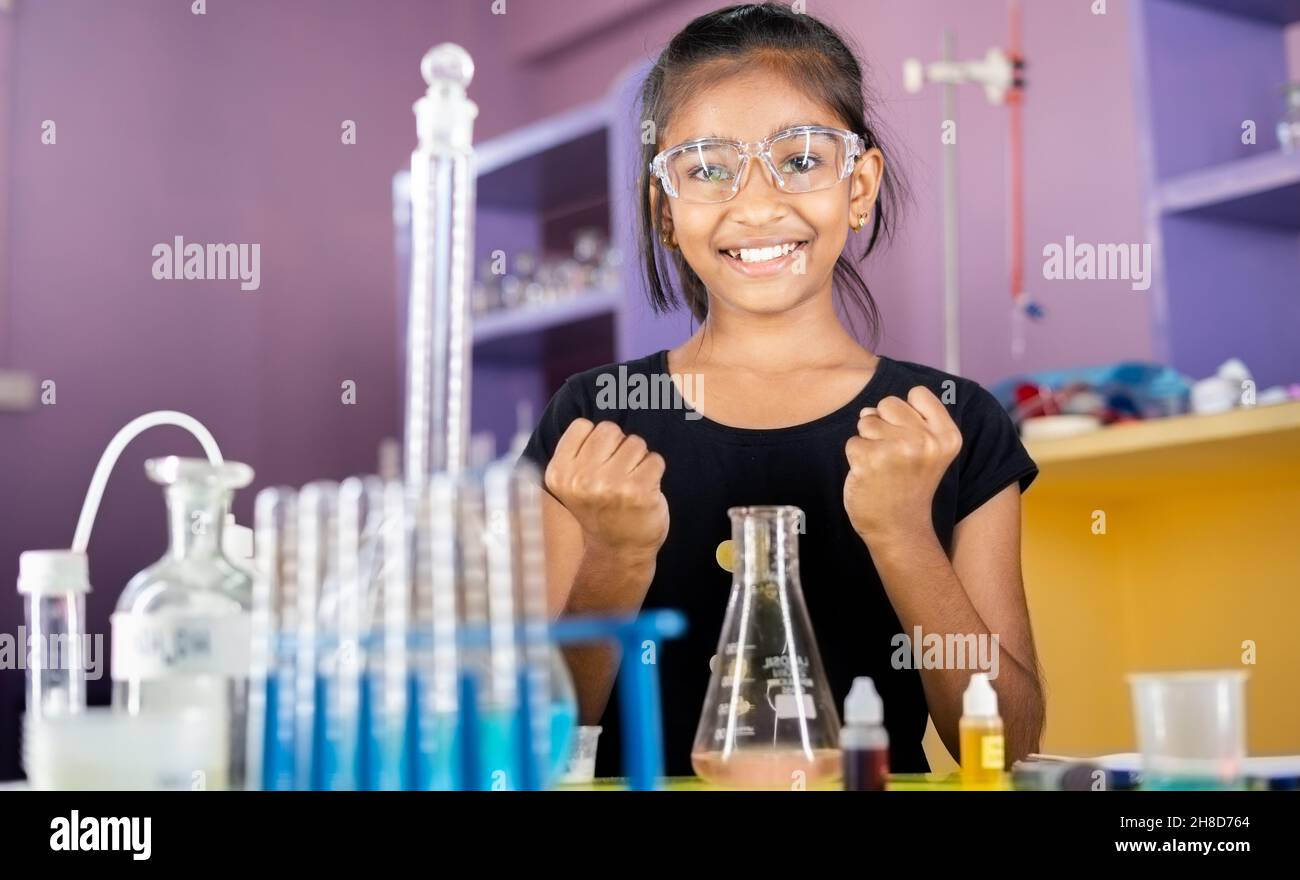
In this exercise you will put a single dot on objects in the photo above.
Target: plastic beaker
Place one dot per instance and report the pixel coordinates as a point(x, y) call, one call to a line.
point(768, 720)
point(103, 749)
point(1191, 728)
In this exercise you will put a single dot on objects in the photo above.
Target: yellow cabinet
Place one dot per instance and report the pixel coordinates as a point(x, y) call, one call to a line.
point(1170, 544)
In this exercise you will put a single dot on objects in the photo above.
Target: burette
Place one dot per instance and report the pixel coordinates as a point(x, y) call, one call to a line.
point(1001, 74)
point(438, 331)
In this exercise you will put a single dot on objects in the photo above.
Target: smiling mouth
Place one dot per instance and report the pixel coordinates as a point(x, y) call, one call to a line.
point(763, 256)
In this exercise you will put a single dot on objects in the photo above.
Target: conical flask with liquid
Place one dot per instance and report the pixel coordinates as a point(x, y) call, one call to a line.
point(768, 720)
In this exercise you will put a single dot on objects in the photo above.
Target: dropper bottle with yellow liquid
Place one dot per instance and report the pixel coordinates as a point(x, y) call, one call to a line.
point(982, 750)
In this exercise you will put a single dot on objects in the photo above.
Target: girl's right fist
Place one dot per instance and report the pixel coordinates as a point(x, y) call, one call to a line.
point(609, 481)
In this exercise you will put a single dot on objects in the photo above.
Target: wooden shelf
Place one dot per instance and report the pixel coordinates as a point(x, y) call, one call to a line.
point(1262, 189)
point(1182, 453)
point(1158, 435)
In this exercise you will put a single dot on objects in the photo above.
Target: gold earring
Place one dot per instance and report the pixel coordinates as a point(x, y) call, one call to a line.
point(667, 241)
point(861, 222)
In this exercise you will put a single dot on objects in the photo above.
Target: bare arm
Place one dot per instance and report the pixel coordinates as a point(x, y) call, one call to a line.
point(603, 529)
point(584, 579)
point(979, 592)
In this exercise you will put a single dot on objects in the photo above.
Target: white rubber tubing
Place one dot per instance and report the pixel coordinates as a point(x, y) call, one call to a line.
point(133, 429)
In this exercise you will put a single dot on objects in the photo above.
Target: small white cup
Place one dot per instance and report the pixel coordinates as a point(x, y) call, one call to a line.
point(582, 763)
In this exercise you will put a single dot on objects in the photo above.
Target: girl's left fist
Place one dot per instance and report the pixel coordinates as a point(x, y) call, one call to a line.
point(902, 451)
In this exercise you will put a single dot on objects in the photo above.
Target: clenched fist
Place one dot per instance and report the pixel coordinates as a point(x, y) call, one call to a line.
point(609, 481)
point(902, 451)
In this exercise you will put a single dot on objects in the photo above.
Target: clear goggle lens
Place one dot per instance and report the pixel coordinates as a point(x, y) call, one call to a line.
point(799, 162)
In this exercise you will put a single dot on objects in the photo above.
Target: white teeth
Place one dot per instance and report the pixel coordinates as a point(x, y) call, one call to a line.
point(762, 255)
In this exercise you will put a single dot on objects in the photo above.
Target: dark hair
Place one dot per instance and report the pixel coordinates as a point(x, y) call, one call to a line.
point(720, 43)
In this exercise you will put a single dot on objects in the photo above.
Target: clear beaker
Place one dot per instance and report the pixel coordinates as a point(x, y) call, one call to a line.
point(1191, 728)
point(768, 719)
point(182, 629)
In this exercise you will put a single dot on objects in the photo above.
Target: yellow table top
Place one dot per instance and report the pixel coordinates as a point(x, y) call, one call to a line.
point(897, 782)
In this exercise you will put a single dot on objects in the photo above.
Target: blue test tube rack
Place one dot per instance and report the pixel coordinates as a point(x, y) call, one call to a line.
point(639, 709)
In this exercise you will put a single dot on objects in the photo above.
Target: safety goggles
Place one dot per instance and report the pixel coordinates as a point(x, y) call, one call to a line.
point(803, 159)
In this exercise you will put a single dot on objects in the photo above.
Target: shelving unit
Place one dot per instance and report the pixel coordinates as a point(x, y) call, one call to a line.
point(531, 320)
point(1171, 544)
point(1279, 12)
point(1223, 216)
point(1263, 189)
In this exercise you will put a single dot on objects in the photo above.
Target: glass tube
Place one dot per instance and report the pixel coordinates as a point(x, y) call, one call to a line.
point(439, 340)
point(317, 570)
point(54, 584)
point(434, 625)
point(275, 613)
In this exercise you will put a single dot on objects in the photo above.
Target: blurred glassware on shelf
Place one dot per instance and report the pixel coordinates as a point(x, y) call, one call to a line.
point(512, 292)
point(1288, 128)
point(534, 280)
point(526, 264)
point(588, 245)
point(487, 288)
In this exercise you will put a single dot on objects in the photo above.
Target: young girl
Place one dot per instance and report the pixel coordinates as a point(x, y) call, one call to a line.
point(909, 478)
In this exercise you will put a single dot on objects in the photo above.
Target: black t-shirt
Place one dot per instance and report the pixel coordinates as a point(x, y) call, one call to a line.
point(710, 467)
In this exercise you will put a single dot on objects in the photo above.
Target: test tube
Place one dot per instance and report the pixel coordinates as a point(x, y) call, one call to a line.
point(490, 659)
point(272, 678)
point(317, 568)
point(391, 765)
point(443, 684)
point(435, 628)
point(55, 584)
point(517, 590)
point(343, 658)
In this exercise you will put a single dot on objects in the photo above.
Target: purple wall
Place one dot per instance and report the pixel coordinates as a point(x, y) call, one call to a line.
point(221, 128)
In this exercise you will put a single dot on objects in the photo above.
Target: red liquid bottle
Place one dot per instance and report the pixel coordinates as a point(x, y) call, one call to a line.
point(864, 742)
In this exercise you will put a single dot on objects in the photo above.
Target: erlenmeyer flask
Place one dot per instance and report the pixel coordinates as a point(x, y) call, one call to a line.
point(768, 719)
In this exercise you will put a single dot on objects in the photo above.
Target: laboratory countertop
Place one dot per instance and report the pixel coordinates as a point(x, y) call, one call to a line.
point(897, 782)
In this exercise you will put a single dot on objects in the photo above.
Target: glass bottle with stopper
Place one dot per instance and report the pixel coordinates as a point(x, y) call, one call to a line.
point(182, 631)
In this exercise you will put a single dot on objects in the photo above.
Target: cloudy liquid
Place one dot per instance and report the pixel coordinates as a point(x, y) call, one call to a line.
point(780, 769)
